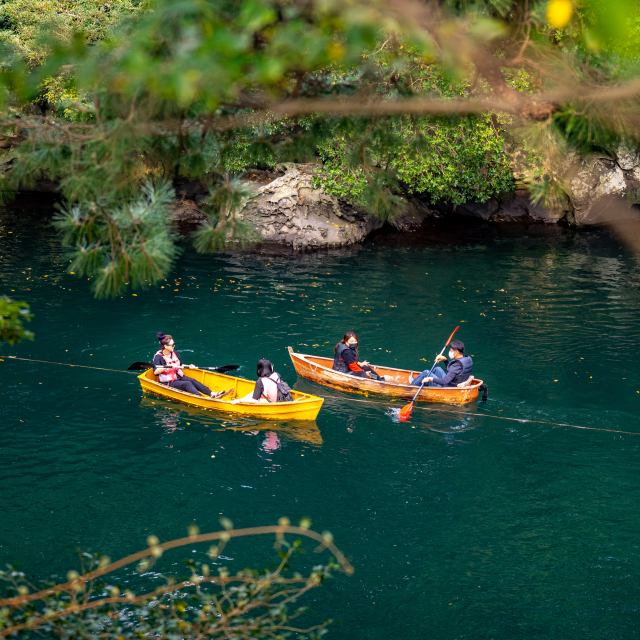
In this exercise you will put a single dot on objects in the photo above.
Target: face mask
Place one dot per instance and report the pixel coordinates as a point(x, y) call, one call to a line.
point(353, 345)
point(451, 355)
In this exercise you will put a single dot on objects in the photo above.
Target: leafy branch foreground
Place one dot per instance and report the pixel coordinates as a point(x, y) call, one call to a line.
point(12, 316)
point(117, 101)
point(200, 606)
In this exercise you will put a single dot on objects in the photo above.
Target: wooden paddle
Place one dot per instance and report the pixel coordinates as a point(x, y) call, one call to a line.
point(405, 412)
point(141, 366)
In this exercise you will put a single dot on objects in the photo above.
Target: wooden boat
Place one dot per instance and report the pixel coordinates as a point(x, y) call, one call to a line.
point(396, 384)
point(303, 407)
point(301, 430)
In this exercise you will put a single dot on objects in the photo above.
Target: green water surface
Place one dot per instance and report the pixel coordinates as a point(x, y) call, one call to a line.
point(458, 526)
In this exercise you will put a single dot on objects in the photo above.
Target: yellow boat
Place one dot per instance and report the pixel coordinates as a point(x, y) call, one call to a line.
point(302, 430)
point(303, 407)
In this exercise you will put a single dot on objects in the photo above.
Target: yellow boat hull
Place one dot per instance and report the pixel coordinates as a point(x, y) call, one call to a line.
point(303, 407)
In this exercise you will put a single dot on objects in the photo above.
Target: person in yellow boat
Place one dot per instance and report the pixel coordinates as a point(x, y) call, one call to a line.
point(168, 367)
point(266, 389)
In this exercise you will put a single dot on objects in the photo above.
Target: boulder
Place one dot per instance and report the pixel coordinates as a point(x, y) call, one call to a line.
point(517, 206)
point(509, 207)
point(601, 187)
point(187, 212)
point(288, 210)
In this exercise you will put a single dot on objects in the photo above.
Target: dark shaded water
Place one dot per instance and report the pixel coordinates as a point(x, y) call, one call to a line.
point(459, 526)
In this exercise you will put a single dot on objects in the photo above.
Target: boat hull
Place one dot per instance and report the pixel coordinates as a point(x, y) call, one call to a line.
point(304, 406)
point(396, 385)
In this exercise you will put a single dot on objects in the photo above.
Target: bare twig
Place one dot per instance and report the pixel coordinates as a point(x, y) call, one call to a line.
point(181, 542)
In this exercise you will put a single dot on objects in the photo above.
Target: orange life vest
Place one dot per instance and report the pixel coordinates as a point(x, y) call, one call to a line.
point(171, 361)
point(271, 389)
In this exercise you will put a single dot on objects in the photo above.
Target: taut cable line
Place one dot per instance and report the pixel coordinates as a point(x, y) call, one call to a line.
point(488, 415)
point(460, 413)
point(66, 364)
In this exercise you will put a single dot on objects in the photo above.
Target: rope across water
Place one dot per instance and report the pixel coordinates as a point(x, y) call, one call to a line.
point(461, 413)
point(488, 415)
point(66, 364)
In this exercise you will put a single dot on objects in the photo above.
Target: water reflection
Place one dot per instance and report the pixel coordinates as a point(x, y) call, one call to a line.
point(166, 414)
point(301, 430)
point(271, 442)
point(169, 417)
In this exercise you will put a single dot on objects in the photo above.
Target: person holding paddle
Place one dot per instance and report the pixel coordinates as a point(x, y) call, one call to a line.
point(458, 366)
point(168, 367)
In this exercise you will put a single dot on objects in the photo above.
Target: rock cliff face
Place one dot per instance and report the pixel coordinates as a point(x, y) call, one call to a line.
point(603, 188)
point(289, 210)
point(509, 207)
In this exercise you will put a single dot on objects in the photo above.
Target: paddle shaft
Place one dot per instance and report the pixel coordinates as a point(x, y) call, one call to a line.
point(141, 366)
point(435, 363)
point(226, 367)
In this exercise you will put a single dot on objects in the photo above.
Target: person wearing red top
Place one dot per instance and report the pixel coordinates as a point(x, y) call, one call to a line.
point(168, 367)
point(346, 359)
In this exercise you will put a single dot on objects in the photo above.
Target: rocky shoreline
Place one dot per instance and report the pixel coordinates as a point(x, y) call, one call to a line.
point(286, 210)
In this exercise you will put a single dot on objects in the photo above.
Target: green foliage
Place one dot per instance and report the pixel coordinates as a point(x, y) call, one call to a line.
point(223, 226)
point(451, 161)
point(110, 96)
point(13, 314)
point(454, 162)
point(116, 245)
point(26, 26)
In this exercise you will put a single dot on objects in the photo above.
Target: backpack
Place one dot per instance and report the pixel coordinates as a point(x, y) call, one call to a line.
point(284, 390)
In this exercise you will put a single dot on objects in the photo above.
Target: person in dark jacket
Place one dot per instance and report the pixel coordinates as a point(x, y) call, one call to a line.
point(345, 359)
point(458, 366)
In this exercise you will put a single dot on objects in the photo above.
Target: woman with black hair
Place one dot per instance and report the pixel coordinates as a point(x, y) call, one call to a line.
point(168, 367)
point(266, 389)
point(345, 359)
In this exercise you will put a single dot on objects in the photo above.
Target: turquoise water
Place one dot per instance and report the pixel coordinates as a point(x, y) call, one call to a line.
point(458, 526)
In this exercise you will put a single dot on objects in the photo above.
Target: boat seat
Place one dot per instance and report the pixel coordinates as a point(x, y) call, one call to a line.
point(469, 381)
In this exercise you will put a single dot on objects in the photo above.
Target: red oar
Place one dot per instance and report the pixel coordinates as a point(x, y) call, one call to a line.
point(405, 412)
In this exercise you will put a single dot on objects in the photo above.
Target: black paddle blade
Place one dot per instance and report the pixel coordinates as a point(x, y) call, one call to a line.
point(140, 366)
point(225, 368)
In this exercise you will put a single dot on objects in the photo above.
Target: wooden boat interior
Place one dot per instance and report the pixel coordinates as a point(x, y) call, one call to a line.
point(221, 382)
point(392, 375)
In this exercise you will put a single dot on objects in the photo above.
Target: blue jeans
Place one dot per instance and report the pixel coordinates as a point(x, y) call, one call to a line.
point(437, 372)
